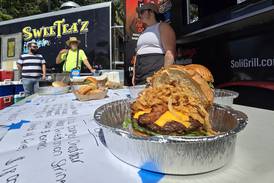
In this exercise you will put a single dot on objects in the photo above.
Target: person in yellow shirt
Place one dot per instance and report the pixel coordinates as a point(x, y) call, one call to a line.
point(73, 57)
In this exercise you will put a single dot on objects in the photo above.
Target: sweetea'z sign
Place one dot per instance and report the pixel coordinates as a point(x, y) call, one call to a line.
point(46, 36)
point(58, 29)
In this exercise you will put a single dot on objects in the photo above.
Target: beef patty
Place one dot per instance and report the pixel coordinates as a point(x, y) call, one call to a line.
point(170, 128)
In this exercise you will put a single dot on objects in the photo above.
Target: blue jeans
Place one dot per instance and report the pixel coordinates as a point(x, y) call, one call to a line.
point(30, 85)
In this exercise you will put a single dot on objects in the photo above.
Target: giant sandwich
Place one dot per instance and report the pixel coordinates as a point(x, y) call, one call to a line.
point(175, 103)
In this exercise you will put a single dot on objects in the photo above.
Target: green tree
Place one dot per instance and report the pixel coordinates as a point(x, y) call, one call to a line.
point(119, 13)
point(4, 16)
point(10, 9)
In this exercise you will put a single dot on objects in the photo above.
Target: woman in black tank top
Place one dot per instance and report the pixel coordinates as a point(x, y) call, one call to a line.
point(151, 60)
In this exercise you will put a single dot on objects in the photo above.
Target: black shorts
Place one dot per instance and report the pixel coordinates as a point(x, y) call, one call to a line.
point(147, 65)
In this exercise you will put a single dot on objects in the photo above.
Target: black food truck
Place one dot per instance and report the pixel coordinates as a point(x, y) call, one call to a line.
point(235, 40)
point(91, 24)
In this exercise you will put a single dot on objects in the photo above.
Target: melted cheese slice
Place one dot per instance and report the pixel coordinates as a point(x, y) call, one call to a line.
point(168, 117)
point(137, 114)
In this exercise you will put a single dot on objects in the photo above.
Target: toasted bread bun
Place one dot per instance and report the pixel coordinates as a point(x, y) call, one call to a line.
point(202, 70)
point(91, 80)
point(101, 80)
point(201, 75)
point(203, 85)
point(181, 76)
point(59, 84)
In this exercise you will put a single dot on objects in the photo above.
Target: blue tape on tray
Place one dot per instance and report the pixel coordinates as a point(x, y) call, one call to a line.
point(18, 125)
point(150, 177)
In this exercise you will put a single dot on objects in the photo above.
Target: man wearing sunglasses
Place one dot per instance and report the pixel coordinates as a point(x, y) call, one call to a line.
point(73, 57)
point(33, 68)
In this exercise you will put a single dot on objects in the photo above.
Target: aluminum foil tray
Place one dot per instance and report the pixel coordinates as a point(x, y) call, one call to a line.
point(178, 155)
point(225, 97)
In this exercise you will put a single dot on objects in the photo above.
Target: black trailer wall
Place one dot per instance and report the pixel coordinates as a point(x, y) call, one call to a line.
point(238, 50)
point(242, 61)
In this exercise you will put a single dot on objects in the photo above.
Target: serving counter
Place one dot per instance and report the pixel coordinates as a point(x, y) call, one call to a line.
point(55, 139)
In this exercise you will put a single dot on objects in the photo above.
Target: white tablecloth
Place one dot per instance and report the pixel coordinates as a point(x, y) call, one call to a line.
point(64, 146)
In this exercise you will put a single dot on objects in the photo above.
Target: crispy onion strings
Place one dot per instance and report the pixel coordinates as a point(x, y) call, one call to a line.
point(177, 99)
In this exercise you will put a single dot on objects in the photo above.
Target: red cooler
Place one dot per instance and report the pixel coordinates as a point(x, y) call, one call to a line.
point(5, 101)
point(6, 75)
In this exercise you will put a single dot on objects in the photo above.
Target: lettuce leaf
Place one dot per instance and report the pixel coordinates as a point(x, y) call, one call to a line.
point(127, 123)
point(211, 85)
point(143, 130)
